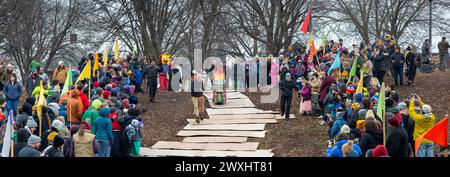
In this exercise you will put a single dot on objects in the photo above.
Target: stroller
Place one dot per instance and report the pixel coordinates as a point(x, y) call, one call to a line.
point(426, 65)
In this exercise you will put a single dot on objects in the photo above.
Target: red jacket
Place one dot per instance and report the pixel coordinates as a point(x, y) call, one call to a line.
point(115, 121)
point(84, 100)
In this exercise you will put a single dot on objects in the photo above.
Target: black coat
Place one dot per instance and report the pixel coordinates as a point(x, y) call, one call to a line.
point(408, 124)
point(379, 63)
point(370, 140)
point(287, 88)
point(397, 143)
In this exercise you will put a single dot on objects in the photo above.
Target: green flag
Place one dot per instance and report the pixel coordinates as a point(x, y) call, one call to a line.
point(353, 71)
point(68, 82)
point(381, 102)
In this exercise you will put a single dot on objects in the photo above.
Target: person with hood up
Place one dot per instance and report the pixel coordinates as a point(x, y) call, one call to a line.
point(130, 139)
point(103, 133)
point(32, 81)
point(63, 131)
point(31, 126)
point(91, 115)
point(31, 150)
point(380, 151)
point(348, 151)
point(337, 124)
point(397, 142)
point(372, 136)
point(287, 86)
point(423, 123)
point(336, 150)
point(61, 74)
point(75, 109)
point(22, 140)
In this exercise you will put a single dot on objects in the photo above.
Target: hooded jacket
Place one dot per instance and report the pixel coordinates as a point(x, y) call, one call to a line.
point(422, 123)
point(103, 126)
point(336, 151)
point(326, 84)
point(370, 140)
point(397, 143)
point(338, 124)
point(22, 140)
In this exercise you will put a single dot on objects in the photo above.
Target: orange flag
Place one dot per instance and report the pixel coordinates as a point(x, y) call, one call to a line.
point(438, 134)
point(312, 53)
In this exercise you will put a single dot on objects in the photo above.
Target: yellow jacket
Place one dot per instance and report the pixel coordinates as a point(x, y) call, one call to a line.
point(422, 123)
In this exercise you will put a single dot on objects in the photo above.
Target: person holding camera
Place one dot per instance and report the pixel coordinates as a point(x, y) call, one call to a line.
point(424, 121)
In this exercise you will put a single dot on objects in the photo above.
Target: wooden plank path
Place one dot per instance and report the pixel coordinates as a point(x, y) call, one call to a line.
point(225, 134)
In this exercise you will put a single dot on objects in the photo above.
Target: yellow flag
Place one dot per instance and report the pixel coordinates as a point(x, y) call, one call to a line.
point(86, 73)
point(41, 102)
point(116, 49)
point(96, 64)
point(360, 84)
point(105, 58)
point(310, 40)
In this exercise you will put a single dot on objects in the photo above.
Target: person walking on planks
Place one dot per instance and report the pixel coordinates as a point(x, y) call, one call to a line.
point(287, 86)
point(198, 100)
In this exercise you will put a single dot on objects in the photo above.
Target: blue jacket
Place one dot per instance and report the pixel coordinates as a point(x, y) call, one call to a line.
point(13, 91)
point(63, 111)
point(138, 76)
point(338, 124)
point(336, 151)
point(103, 126)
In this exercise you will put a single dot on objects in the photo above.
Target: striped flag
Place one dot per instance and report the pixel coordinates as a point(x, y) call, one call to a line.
point(7, 139)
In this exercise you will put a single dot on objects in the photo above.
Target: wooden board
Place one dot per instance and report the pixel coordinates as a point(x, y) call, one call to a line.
point(234, 103)
point(248, 127)
point(234, 121)
point(237, 111)
point(252, 134)
point(248, 146)
point(249, 116)
point(196, 153)
point(215, 139)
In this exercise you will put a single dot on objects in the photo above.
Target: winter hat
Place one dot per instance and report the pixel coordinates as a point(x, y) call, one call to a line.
point(402, 106)
point(52, 136)
point(27, 108)
point(86, 125)
point(54, 98)
point(356, 106)
point(362, 113)
point(288, 75)
point(345, 129)
point(104, 112)
point(360, 124)
point(394, 122)
point(106, 94)
point(58, 141)
point(390, 102)
point(380, 151)
point(133, 99)
point(57, 124)
point(31, 123)
point(96, 84)
point(426, 109)
point(135, 123)
point(351, 89)
point(33, 70)
point(344, 74)
point(60, 63)
point(33, 139)
point(96, 104)
point(359, 97)
point(31, 100)
point(370, 115)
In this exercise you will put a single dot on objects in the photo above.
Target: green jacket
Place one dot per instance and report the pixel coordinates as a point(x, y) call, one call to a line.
point(90, 116)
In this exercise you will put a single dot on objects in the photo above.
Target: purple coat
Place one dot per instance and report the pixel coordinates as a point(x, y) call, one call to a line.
point(306, 93)
point(326, 83)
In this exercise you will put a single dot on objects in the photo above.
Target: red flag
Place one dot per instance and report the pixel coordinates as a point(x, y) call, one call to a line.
point(438, 134)
point(306, 22)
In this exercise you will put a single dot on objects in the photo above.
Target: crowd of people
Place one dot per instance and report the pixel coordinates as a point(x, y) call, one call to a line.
point(92, 117)
point(346, 97)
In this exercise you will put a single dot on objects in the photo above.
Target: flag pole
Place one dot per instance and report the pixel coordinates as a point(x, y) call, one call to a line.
point(12, 141)
point(384, 127)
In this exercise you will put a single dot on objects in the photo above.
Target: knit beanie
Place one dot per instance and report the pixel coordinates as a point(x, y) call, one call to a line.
point(394, 122)
point(362, 114)
point(370, 115)
point(402, 106)
point(33, 139)
point(58, 141)
point(31, 123)
point(380, 151)
point(96, 104)
point(345, 129)
point(426, 109)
